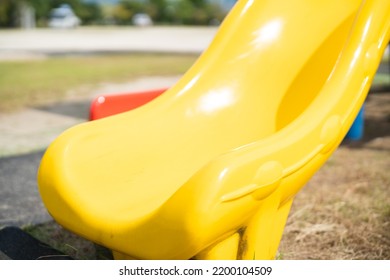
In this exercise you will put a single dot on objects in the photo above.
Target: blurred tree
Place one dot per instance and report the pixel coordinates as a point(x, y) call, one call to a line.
point(126, 9)
point(198, 12)
point(8, 13)
point(89, 12)
point(42, 10)
point(215, 13)
point(122, 15)
point(161, 11)
point(158, 8)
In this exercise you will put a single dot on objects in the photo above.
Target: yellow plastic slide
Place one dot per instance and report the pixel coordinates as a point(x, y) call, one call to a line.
point(209, 169)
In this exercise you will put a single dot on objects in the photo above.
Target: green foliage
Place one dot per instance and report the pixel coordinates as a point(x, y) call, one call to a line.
point(9, 11)
point(89, 13)
point(124, 12)
point(198, 12)
point(33, 82)
point(42, 7)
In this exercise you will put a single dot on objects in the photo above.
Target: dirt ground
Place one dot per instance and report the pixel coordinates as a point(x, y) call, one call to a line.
point(344, 211)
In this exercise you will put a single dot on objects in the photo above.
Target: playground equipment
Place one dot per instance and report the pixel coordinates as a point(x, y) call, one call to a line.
point(108, 105)
point(111, 104)
point(209, 169)
point(356, 131)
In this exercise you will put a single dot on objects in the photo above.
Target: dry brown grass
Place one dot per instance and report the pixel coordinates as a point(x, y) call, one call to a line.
point(344, 211)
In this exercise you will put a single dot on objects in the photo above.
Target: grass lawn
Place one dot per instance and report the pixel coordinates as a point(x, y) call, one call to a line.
point(37, 81)
point(381, 80)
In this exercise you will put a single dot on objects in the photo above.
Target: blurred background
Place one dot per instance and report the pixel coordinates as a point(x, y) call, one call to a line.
point(72, 13)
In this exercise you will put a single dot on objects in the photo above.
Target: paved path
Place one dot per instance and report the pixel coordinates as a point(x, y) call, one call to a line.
point(20, 203)
point(39, 42)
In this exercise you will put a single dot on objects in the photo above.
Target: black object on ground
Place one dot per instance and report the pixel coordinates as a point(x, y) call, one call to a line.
point(19, 245)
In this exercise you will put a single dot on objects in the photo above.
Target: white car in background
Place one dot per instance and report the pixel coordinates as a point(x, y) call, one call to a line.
point(142, 19)
point(63, 17)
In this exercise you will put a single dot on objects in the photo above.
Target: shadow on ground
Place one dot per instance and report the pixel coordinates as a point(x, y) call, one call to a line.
point(74, 109)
